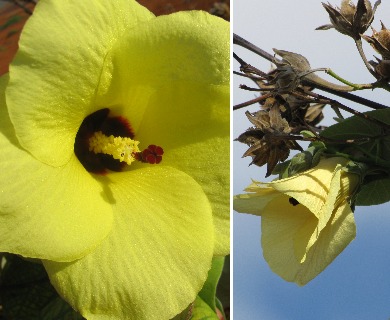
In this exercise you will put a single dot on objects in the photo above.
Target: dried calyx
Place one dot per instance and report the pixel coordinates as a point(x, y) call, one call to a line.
point(380, 41)
point(289, 71)
point(268, 140)
point(350, 19)
point(286, 110)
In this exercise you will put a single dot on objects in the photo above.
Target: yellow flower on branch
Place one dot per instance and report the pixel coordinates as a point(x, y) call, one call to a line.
point(307, 220)
point(112, 123)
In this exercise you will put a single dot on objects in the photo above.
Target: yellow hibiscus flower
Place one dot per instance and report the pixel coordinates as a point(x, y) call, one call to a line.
point(118, 242)
point(306, 219)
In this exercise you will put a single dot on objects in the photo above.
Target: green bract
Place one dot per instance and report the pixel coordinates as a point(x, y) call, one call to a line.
point(136, 244)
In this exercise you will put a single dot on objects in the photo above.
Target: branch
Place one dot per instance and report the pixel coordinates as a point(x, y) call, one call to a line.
point(346, 95)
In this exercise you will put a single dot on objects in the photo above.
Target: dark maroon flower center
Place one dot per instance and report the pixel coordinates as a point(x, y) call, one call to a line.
point(117, 127)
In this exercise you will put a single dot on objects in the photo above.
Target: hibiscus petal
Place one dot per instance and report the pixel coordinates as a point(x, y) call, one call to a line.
point(327, 209)
point(257, 200)
point(45, 212)
point(281, 219)
point(156, 259)
point(58, 65)
point(285, 230)
point(195, 142)
point(170, 79)
point(311, 188)
point(334, 238)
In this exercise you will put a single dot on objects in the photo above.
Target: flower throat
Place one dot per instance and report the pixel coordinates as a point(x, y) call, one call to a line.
point(106, 143)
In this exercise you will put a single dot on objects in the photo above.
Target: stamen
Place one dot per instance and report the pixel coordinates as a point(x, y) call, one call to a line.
point(122, 149)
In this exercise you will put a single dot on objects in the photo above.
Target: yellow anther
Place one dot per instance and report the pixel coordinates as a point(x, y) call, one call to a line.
point(122, 149)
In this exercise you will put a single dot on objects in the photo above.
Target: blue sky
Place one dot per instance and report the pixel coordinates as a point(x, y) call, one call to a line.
point(357, 284)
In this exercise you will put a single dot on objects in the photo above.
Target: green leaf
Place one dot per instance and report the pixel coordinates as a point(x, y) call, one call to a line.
point(209, 289)
point(206, 303)
point(307, 134)
point(28, 295)
point(352, 137)
point(300, 162)
point(202, 311)
point(358, 168)
point(305, 160)
point(282, 169)
point(374, 192)
point(185, 314)
point(221, 308)
point(223, 288)
point(357, 127)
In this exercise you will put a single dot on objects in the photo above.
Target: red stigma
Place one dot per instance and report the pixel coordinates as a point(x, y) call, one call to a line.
point(152, 154)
